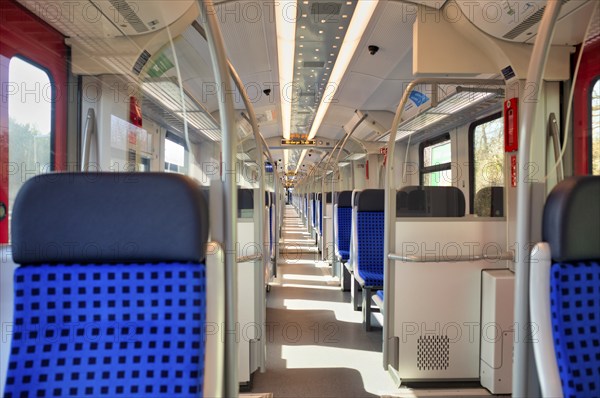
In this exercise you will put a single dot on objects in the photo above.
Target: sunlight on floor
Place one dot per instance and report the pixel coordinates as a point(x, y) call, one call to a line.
point(340, 310)
point(313, 356)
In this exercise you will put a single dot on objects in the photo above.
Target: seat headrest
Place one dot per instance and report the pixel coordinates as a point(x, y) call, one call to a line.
point(489, 202)
point(245, 199)
point(571, 223)
point(319, 196)
point(371, 200)
point(109, 218)
point(344, 199)
point(328, 197)
point(433, 202)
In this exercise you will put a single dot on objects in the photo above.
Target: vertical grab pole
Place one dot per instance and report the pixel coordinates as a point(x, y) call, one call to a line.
point(259, 274)
point(229, 147)
point(535, 73)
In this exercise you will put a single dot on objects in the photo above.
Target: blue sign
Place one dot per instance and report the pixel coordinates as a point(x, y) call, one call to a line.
point(418, 97)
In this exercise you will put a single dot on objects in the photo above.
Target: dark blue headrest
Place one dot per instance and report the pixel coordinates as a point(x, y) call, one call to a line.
point(371, 200)
point(489, 202)
point(328, 197)
point(433, 202)
point(572, 219)
point(245, 199)
point(344, 199)
point(109, 218)
point(319, 196)
point(267, 198)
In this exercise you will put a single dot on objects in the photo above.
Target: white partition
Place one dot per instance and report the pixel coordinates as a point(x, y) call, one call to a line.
point(7, 270)
point(249, 312)
point(437, 310)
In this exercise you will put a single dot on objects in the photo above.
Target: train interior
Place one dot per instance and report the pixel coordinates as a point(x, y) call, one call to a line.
point(368, 196)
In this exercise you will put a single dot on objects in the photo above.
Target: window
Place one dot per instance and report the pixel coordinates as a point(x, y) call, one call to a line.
point(595, 127)
point(29, 124)
point(175, 154)
point(436, 155)
point(486, 163)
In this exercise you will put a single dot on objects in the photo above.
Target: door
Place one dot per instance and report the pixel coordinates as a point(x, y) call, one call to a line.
point(33, 78)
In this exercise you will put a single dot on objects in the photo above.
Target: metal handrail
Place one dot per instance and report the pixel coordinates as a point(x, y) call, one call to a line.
point(449, 259)
point(220, 65)
point(89, 133)
point(249, 258)
point(553, 132)
point(535, 72)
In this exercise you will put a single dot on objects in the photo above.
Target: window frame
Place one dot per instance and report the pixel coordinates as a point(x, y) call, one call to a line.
point(472, 127)
point(595, 80)
point(439, 167)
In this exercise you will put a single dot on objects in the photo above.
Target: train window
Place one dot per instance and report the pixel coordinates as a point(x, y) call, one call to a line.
point(175, 154)
point(486, 147)
point(436, 155)
point(29, 124)
point(595, 126)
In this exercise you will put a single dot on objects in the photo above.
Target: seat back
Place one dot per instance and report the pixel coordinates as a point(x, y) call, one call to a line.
point(343, 223)
point(369, 244)
point(571, 228)
point(432, 202)
point(489, 202)
point(110, 295)
point(245, 203)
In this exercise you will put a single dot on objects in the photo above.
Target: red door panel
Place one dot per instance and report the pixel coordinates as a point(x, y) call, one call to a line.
point(25, 35)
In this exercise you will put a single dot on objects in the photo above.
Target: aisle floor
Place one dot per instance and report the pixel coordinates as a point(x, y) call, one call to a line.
point(316, 345)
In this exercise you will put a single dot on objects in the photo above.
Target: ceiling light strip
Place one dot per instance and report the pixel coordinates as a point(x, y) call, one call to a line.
point(360, 19)
point(285, 22)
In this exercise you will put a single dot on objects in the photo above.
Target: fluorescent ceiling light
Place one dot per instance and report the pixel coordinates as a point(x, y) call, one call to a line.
point(360, 19)
point(300, 160)
point(286, 44)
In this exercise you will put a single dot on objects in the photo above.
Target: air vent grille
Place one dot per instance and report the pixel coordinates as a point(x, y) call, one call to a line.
point(130, 16)
point(433, 352)
point(528, 23)
point(314, 64)
point(328, 9)
point(141, 62)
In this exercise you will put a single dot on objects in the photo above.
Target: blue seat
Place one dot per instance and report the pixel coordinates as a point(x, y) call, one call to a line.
point(369, 246)
point(110, 295)
point(343, 225)
point(565, 291)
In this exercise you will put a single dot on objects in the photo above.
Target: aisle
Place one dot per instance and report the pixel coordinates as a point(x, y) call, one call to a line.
point(316, 345)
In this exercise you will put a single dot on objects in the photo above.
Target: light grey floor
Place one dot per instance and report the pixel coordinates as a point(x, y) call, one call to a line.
point(316, 345)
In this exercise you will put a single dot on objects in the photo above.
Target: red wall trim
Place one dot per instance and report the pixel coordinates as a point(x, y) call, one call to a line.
point(589, 70)
point(25, 35)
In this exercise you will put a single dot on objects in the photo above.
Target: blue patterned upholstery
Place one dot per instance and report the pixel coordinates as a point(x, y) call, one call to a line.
point(321, 217)
point(575, 308)
point(130, 331)
point(344, 223)
point(369, 260)
point(123, 316)
point(314, 213)
point(380, 294)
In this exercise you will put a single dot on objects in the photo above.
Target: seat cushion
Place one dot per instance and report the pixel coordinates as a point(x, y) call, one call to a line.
point(345, 254)
point(130, 331)
point(575, 303)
